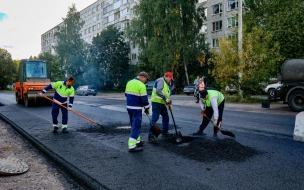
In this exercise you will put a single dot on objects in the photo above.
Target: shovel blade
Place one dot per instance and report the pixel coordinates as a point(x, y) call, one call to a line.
point(155, 130)
point(178, 136)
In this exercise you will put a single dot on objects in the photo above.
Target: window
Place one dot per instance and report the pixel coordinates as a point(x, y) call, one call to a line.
point(217, 26)
point(98, 26)
point(98, 17)
point(232, 22)
point(133, 56)
point(85, 31)
point(124, 1)
point(215, 43)
point(117, 4)
point(98, 7)
point(89, 31)
point(216, 9)
point(124, 12)
point(232, 4)
point(111, 18)
point(94, 27)
point(105, 20)
point(94, 10)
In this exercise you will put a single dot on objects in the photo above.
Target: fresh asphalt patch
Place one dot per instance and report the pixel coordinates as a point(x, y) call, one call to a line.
point(202, 149)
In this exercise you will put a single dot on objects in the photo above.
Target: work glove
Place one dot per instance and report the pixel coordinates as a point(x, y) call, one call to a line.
point(147, 111)
point(69, 108)
point(215, 123)
point(203, 112)
point(41, 93)
point(168, 101)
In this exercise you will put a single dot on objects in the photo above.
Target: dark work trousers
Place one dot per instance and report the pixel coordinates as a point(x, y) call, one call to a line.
point(135, 117)
point(209, 114)
point(159, 109)
point(55, 113)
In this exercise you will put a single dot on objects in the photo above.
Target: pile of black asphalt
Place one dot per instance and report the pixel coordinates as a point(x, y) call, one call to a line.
point(202, 149)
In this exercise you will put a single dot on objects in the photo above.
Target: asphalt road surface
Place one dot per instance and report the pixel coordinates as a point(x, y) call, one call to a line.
point(262, 156)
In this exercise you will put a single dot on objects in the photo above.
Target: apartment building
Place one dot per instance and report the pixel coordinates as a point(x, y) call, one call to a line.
point(97, 17)
point(221, 18)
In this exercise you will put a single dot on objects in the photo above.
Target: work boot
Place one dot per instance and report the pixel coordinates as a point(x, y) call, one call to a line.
point(140, 143)
point(55, 129)
point(167, 134)
point(199, 133)
point(136, 149)
point(152, 140)
point(215, 136)
point(64, 130)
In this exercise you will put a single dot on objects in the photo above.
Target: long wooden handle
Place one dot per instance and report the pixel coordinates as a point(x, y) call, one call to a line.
point(70, 110)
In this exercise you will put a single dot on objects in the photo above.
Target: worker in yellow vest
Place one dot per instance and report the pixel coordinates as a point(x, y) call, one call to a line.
point(159, 99)
point(212, 104)
point(137, 99)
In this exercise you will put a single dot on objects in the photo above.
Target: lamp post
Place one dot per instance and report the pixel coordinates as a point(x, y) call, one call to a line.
point(240, 41)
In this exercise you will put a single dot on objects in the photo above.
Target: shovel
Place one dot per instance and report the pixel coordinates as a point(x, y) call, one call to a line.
point(178, 134)
point(73, 111)
point(228, 133)
point(154, 129)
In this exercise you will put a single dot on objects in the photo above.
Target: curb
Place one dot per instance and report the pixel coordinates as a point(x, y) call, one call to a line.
point(75, 173)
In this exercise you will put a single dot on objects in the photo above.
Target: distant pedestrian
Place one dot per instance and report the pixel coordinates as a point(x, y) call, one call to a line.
point(137, 99)
point(64, 93)
point(159, 99)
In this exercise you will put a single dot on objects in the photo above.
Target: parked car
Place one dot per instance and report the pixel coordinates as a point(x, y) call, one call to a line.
point(86, 90)
point(150, 84)
point(271, 89)
point(190, 89)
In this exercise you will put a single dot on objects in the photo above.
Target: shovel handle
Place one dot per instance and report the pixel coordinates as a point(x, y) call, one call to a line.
point(70, 110)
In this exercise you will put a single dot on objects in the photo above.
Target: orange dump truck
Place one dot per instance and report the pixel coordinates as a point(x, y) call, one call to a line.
point(33, 78)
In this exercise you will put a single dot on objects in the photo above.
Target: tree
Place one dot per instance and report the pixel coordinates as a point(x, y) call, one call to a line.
point(70, 48)
point(285, 20)
point(53, 66)
point(167, 34)
point(8, 69)
point(109, 55)
point(259, 61)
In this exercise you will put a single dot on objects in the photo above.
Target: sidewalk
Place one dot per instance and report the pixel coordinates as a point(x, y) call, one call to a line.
point(276, 108)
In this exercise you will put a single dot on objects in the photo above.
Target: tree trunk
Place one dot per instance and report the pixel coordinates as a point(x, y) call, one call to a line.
point(186, 73)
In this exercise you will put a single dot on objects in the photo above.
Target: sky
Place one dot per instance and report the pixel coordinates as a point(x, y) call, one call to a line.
point(22, 22)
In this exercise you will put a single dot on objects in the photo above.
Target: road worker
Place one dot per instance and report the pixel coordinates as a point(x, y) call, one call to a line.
point(64, 95)
point(137, 99)
point(212, 104)
point(159, 99)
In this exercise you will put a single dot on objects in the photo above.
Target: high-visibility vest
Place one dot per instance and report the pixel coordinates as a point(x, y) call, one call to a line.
point(165, 90)
point(136, 94)
point(213, 93)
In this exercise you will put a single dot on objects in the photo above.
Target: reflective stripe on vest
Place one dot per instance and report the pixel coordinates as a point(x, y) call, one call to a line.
point(213, 93)
point(165, 91)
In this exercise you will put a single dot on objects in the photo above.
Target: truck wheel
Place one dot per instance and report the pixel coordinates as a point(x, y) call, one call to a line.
point(18, 99)
point(272, 93)
point(296, 101)
point(27, 102)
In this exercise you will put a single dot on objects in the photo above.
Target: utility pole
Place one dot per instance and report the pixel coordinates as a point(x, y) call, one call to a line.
point(240, 41)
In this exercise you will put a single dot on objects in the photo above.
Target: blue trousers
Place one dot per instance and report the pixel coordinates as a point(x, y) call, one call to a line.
point(55, 113)
point(159, 109)
point(135, 117)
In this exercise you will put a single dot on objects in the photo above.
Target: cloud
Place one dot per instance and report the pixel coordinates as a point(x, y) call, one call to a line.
point(7, 46)
point(2, 16)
